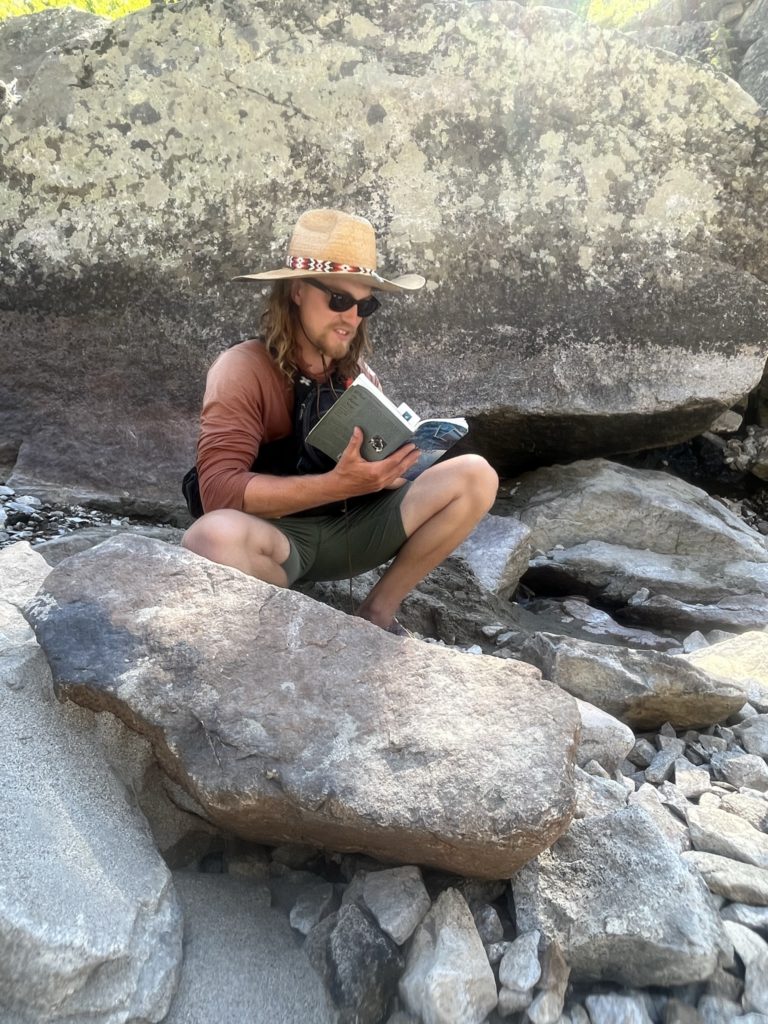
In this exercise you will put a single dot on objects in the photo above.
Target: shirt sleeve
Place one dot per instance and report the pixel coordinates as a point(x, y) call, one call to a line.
point(231, 430)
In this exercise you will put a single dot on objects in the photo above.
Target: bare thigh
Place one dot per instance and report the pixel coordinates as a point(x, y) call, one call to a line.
point(466, 477)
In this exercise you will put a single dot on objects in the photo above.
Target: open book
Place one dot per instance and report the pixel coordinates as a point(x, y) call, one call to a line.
point(386, 427)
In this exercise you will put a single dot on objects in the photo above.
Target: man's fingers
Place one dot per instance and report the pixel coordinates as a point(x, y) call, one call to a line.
point(354, 443)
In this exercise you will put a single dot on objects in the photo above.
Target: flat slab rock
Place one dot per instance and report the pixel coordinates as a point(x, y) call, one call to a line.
point(289, 721)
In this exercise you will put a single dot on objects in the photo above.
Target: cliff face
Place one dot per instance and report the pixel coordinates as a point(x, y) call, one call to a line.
point(589, 212)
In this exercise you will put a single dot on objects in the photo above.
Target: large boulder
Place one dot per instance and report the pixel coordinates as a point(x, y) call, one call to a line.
point(657, 548)
point(90, 928)
point(288, 720)
point(578, 249)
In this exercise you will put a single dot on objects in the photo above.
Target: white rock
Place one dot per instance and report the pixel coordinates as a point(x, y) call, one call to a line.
point(520, 969)
point(716, 831)
point(398, 899)
point(447, 978)
point(616, 1009)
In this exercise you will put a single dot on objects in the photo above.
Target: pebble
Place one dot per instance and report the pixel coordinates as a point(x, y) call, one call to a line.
point(520, 968)
point(616, 1009)
point(398, 899)
point(742, 883)
point(26, 517)
point(311, 907)
point(741, 769)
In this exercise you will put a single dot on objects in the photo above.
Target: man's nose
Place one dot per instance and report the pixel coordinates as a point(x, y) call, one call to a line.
point(351, 315)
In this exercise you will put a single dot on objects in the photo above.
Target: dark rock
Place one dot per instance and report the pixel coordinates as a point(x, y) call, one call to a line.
point(359, 964)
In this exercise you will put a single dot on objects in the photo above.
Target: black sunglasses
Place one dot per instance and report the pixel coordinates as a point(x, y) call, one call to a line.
point(340, 302)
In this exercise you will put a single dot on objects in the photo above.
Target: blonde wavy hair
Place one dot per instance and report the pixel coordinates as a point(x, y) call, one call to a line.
point(280, 327)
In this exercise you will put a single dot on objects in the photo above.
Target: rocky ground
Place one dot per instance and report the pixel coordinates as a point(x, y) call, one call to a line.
point(620, 943)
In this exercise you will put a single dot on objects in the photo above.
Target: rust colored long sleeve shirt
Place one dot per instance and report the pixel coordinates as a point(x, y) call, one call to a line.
point(248, 402)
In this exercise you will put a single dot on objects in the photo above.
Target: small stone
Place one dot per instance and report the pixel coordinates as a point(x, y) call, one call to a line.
point(311, 907)
point(511, 1001)
point(520, 969)
point(505, 637)
point(358, 963)
point(474, 649)
point(694, 642)
point(673, 797)
point(447, 976)
point(495, 951)
point(742, 883)
point(691, 781)
point(398, 899)
point(717, 1010)
point(741, 769)
point(555, 972)
point(616, 1009)
point(743, 715)
point(661, 767)
point(753, 735)
point(750, 808)
point(752, 950)
point(596, 769)
point(488, 924)
point(642, 753)
point(712, 744)
point(668, 730)
point(492, 630)
point(755, 918)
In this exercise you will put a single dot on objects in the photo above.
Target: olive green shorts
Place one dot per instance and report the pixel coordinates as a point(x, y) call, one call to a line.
point(337, 547)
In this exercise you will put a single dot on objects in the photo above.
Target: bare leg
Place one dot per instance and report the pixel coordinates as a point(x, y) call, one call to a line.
point(441, 508)
point(242, 541)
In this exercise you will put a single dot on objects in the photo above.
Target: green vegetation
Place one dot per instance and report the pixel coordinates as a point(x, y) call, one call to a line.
point(105, 8)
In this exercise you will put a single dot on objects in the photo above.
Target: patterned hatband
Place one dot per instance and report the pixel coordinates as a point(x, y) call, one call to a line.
point(326, 266)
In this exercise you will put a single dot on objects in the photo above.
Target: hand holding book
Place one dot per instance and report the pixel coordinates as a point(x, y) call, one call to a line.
point(385, 428)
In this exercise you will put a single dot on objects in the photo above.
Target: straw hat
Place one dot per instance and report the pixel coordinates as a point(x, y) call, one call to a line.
point(327, 243)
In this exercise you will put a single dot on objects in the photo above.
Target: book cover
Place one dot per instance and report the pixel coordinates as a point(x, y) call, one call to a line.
point(385, 427)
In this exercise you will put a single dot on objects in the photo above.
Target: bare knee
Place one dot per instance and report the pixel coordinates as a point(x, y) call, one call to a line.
point(243, 541)
point(479, 480)
point(214, 534)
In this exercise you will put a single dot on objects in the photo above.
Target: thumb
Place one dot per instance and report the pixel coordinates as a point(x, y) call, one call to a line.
point(354, 444)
